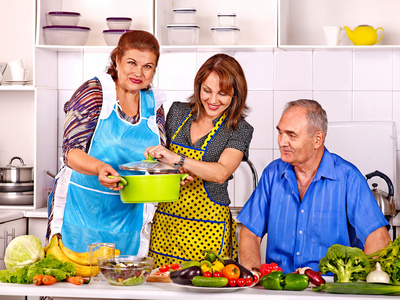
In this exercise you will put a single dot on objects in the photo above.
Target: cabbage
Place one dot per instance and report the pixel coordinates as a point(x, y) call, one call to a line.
point(23, 251)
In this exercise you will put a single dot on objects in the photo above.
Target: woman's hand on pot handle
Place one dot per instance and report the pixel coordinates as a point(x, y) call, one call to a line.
point(162, 154)
point(104, 171)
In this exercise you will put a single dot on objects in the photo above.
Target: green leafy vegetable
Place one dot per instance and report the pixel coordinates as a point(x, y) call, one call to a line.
point(389, 259)
point(47, 266)
point(23, 251)
point(348, 264)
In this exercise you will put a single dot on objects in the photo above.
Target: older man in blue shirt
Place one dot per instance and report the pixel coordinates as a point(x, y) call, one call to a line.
point(309, 199)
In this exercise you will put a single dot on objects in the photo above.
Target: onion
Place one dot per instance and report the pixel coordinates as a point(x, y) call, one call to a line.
point(378, 275)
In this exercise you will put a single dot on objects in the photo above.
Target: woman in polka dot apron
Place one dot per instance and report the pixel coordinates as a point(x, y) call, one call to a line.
point(208, 138)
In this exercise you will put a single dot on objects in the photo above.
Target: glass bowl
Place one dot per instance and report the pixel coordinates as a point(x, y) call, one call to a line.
point(125, 269)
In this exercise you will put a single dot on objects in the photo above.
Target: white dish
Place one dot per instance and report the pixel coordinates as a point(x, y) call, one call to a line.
point(16, 82)
point(119, 23)
point(111, 37)
point(199, 289)
point(65, 35)
point(183, 34)
point(65, 18)
point(225, 35)
point(184, 15)
point(226, 19)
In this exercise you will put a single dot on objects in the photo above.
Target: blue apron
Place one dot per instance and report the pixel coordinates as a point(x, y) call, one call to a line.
point(93, 213)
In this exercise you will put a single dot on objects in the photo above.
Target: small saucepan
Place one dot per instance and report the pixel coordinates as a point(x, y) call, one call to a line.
point(150, 188)
point(16, 174)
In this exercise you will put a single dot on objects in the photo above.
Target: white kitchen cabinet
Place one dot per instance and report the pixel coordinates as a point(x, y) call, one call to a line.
point(252, 17)
point(8, 231)
point(17, 102)
point(93, 15)
point(301, 21)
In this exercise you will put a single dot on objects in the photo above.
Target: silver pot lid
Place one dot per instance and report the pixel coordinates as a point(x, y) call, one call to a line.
point(152, 166)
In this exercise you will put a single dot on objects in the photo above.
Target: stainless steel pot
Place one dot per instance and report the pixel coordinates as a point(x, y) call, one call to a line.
point(16, 174)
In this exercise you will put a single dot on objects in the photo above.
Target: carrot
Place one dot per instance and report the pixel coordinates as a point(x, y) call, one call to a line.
point(78, 280)
point(48, 280)
point(38, 279)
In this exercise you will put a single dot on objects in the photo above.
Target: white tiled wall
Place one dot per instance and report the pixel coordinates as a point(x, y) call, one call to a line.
point(352, 85)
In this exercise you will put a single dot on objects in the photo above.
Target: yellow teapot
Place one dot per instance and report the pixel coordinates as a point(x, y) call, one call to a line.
point(364, 35)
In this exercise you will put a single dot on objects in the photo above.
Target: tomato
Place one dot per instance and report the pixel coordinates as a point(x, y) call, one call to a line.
point(232, 282)
point(207, 274)
point(274, 266)
point(164, 268)
point(265, 269)
point(231, 271)
point(279, 269)
point(249, 282)
point(175, 266)
point(241, 282)
point(217, 274)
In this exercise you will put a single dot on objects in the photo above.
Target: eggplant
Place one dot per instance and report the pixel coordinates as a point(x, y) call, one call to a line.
point(185, 276)
point(244, 272)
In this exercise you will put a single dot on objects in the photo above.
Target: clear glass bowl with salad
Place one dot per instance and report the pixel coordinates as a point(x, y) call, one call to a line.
point(125, 269)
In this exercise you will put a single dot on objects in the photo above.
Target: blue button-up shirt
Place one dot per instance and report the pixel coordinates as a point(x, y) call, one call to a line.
point(338, 208)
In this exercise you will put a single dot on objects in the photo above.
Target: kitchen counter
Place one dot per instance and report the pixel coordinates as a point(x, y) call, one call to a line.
point(165, 291)
point(10, 215)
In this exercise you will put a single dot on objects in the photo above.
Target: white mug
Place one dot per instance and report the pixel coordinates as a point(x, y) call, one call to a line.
point(332, 35)
point(19, 74)
point(16, 63)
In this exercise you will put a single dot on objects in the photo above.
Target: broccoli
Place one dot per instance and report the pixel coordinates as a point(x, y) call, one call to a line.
point(348, 264)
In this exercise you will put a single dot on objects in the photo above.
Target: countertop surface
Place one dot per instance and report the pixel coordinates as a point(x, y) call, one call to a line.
point(10, 215)
point(151, 290)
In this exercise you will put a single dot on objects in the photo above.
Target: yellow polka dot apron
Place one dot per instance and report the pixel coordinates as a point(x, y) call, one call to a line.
point(182, 229)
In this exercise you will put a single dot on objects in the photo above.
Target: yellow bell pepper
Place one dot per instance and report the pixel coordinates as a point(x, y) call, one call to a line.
point(217, 266)
point(205, 266)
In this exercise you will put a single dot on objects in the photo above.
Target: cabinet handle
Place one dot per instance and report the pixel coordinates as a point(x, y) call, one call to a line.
point(6, 235)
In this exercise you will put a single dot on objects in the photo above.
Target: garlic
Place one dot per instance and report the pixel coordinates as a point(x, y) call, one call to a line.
point(378, 275)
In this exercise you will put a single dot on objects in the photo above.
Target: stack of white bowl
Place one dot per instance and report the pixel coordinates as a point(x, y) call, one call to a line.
point(62, 29)
point(226, 33)
point(184, 30)
point(117, 26)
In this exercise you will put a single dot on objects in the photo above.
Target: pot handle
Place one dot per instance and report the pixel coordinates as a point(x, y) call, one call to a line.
point(184, 175)
point(21, 161)
point(384, 177)
point(121, 182)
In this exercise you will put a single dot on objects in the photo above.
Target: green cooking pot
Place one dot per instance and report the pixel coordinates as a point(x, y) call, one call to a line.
point(150, 188)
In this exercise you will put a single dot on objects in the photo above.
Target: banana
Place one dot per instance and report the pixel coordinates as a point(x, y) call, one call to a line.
point(81, 270)
point(82, 258)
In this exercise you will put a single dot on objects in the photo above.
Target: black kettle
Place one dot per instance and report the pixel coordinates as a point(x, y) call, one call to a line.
point(385, 200)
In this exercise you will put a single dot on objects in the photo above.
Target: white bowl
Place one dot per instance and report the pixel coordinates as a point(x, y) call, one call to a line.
point(225, 20)
point(111, 37)
point(65, 35)
point(63, 18)
point(183, 34)
point(114, 23)
point(225, 35)
point(184, 16)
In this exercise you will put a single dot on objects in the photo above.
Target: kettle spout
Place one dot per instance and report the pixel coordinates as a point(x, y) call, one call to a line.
point(348, 32)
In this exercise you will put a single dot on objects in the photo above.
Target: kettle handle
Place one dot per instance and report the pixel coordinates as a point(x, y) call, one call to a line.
point(384, 177)
point(383, 33)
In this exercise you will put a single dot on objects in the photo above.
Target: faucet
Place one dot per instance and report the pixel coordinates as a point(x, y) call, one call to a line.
point(254, 173)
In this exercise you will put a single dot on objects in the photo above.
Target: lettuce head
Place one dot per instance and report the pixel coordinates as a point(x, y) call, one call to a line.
point(23, 251)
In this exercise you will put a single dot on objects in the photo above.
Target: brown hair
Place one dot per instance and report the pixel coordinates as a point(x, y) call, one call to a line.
point(134, 39)
point(231, 76)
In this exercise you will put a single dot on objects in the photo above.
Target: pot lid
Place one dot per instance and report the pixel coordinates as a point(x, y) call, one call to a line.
point(151, 165)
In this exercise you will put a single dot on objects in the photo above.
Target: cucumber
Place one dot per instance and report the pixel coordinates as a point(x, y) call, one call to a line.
point(361, 288)
point(191, 263)
point(209, 281)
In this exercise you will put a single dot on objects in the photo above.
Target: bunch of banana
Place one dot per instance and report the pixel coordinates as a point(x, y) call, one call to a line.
point(79, 259)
